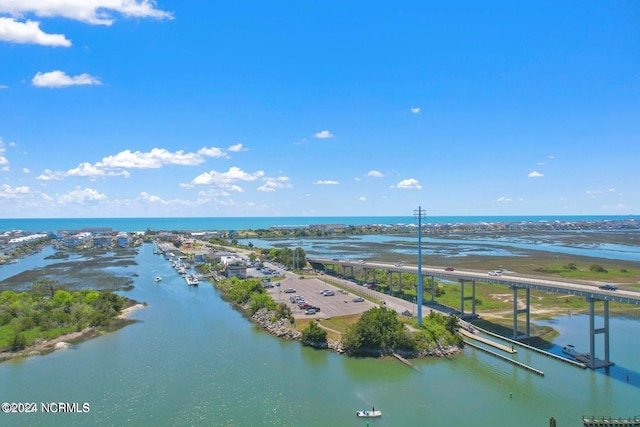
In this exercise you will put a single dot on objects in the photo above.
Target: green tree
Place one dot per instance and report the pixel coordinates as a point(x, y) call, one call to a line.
point(313, 334)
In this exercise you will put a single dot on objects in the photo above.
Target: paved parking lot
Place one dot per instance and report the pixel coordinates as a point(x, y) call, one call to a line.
point(338, 305)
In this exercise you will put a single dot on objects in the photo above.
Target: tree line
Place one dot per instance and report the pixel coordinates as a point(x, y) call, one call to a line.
point(46, 313)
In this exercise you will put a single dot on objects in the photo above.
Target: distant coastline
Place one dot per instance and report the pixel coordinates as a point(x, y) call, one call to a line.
point(254, 223)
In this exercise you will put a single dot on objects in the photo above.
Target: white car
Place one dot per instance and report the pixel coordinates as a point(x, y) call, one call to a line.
point(495, 273)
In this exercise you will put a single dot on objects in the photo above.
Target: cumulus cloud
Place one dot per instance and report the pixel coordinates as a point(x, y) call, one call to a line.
point(117, 164)
point(326, 182)
point(535, 174)
point(236, 148)
point(410, 183)
point(273, 184)
point(324, 134)
point(375, 174)
point(96, 12)
point(80, 196)
point(29, 32)
point(49, 175)
point(225, 180)
point(3, 159)
point(57, 79)
point(153, 199)
point(415, 110)
point(362, 199)
point(9, 192)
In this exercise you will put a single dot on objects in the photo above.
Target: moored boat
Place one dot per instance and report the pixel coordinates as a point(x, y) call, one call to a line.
point(368, 414)
point(157, 279)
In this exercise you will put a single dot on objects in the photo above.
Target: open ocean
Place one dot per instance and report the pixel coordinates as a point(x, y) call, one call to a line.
point(246, 223)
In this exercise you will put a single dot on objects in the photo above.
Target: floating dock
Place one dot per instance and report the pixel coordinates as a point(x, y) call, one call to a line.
point(500, 356)
point(593, 421)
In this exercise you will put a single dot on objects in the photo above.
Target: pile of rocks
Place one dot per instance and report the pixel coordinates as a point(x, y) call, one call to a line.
point(281, 328)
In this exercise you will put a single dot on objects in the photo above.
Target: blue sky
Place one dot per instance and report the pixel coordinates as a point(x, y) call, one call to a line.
point(133, 108)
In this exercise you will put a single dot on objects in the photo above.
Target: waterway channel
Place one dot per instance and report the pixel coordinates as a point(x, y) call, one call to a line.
point(193, 360)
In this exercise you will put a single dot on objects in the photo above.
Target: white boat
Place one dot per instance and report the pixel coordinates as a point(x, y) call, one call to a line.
point(157, 279)
point(570, 350)
point(369, 414)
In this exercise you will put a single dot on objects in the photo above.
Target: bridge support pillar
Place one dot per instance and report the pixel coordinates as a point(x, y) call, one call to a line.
point(526, 311)
point(594, 363)
point(472, 298)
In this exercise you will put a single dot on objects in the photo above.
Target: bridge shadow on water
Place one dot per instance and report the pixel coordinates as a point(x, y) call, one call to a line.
point(622, 374)
point(616, 372)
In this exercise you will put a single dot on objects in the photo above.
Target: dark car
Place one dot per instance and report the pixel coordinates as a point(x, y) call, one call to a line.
point(449, 269)
point(608, 287)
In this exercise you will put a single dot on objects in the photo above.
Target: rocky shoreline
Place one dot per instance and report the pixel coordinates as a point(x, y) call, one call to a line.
point(282, 328)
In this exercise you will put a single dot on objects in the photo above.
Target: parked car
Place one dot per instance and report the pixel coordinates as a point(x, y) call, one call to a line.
point(358, 299)
point(449, 269)
point(309, 311)
point(328, 294)
point(608, 287)
point(289, 291)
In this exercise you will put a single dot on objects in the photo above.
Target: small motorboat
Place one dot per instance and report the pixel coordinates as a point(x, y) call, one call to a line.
point(570, 350)
point(369, 414)
point(157, 279)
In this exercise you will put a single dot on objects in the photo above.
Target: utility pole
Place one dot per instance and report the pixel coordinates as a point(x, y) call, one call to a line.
point(420, 213)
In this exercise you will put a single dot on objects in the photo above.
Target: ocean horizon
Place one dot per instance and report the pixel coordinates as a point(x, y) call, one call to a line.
point(246, 223)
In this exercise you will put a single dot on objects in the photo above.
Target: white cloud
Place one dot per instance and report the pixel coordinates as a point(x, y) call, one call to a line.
point(49, 175)
point(212, 152)
point(324, 134)
point(415, 110)
point(80, 196)
point(157, 158)
point(504, 199)
point(3, 159)
point(375, 174)
point(612, 190)
point(4, 87)
point(273, 184)
point(116, 165)
point(225, 179)
point(58, 79)
point(535, 174)
point(362, 199)
point(153, 199)
point(410, 183)
point(326, 182)
point(29, 32)
point(237, 148)
point(26, 170)
point(9, 192)
point(97, 12)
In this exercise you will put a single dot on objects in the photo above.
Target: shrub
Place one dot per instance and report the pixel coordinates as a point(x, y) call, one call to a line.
point(597, 268)
point(313, 334)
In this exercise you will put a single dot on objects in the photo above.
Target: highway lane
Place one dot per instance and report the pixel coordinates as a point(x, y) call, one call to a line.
point(575, 287)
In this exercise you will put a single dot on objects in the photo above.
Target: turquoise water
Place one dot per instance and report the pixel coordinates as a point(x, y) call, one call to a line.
point(193, 360)
point(244, 223)
point(406, 246)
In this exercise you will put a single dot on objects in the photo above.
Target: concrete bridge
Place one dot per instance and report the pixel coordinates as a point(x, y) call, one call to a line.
point(518, 283)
